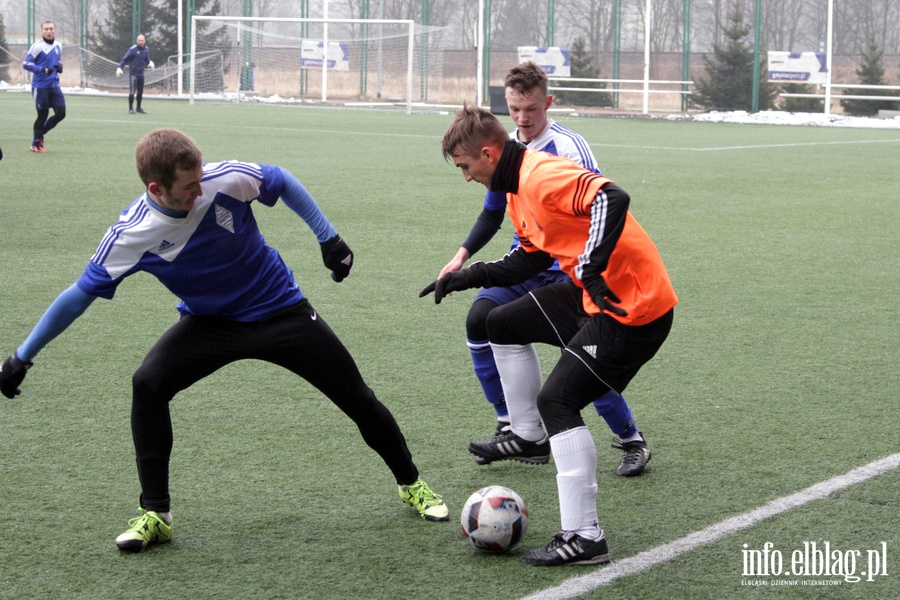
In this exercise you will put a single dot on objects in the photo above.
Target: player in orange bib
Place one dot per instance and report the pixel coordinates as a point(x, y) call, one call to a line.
point(610, 319)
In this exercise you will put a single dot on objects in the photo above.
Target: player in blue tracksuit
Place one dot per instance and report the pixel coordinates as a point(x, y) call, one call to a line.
point(528, 101)
point(44, 60)
point(194, 230)
point(136, 59)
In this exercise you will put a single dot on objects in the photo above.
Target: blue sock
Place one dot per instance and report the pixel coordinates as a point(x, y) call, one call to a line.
point(617, 414)
point(488, 376)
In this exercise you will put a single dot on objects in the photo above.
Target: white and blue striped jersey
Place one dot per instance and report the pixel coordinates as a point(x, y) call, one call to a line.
point(214, 258)
point(43, 55)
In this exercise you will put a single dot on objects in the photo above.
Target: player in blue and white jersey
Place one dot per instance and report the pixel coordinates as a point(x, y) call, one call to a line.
point(136, 59)
point(44, 60)
point(194, 230)
point(528, 100)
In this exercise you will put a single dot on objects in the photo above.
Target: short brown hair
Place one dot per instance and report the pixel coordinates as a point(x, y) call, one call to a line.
point(162, 152)
point(472, 129)
point(525, 77)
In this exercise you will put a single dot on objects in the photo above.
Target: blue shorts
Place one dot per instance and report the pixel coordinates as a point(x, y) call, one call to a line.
point(46, 98)
point(505, 295)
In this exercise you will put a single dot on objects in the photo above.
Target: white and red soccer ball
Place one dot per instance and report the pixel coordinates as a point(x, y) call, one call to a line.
point(494, 519)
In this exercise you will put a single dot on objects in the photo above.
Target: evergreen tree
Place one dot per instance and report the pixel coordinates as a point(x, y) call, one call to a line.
point(811, 105)
point(729, 81)
point(159, 23)
point(870, 73)
point(582, 66)
point(164, 14)
point(112, 38)
point(4, 56)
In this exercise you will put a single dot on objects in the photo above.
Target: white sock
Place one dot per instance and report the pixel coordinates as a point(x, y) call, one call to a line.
point(520, 375)
point(637, 437)
point(575, 456)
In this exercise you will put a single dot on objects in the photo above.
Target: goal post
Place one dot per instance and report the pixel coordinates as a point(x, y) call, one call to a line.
point(280, 56)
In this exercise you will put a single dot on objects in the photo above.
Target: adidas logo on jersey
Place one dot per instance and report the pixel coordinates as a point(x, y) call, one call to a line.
point(165, 245)
point(592, 350)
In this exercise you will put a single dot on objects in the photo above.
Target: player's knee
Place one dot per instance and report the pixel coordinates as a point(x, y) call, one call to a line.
point(150, 382)
point(502, 328)
point(476, 320)
point(557, 414)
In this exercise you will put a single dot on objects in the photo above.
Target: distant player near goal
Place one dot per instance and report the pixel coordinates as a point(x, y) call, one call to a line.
point(194, 230)
point(136, 59)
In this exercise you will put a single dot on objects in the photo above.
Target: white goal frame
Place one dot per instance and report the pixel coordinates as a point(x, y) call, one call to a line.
point(410, 25)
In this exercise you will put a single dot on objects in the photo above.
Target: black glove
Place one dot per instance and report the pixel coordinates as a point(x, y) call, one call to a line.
point(603, 296)
point(454, 281)
point(338, 257)
point(46, 70)
point(58, 67)
point(12, 372)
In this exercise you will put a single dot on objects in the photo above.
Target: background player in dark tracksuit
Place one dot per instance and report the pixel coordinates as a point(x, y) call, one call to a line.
point(194, 230)
point(137, 58)
point(610, 318)
point(43, 59)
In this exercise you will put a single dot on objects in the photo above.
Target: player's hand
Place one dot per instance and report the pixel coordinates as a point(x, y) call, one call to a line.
point(456, 263)
point(118, 72)
point(12, 372)
point(151, 66)
point(338, 257)
point(58, 67)
point(455, 281)
point(47, 71)
point(604, 297)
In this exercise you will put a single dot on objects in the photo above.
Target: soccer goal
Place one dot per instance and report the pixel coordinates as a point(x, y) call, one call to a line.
point(350, 60)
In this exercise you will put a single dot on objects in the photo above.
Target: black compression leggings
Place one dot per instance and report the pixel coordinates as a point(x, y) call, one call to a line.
point(42, 124)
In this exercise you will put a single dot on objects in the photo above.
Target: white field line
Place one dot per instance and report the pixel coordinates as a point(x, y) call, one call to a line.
point(750, 147)
point(643, 561)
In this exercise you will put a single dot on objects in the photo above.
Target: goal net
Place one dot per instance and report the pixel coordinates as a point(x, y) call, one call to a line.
point(97, 72)
point(369, 60)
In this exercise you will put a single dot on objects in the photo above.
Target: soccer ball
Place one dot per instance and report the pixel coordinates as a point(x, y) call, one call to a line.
point(494, 519)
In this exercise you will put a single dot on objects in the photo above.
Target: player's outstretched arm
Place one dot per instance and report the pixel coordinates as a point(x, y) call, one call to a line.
point(67, 307)
point(336, 254)
point(515, 267)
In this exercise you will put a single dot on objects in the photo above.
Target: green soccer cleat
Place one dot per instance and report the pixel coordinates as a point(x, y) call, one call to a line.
point(419, 496)
point(149, 528)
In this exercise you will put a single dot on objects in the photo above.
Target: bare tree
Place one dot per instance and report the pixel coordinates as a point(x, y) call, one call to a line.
point(66, 14)
point(861, 21)
point(519, 23)
point(591, 20)
point(782, 23)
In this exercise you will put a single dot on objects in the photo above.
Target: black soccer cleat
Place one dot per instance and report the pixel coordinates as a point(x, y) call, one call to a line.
point(508, 446)
point(569, 548)
point(637, 455)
